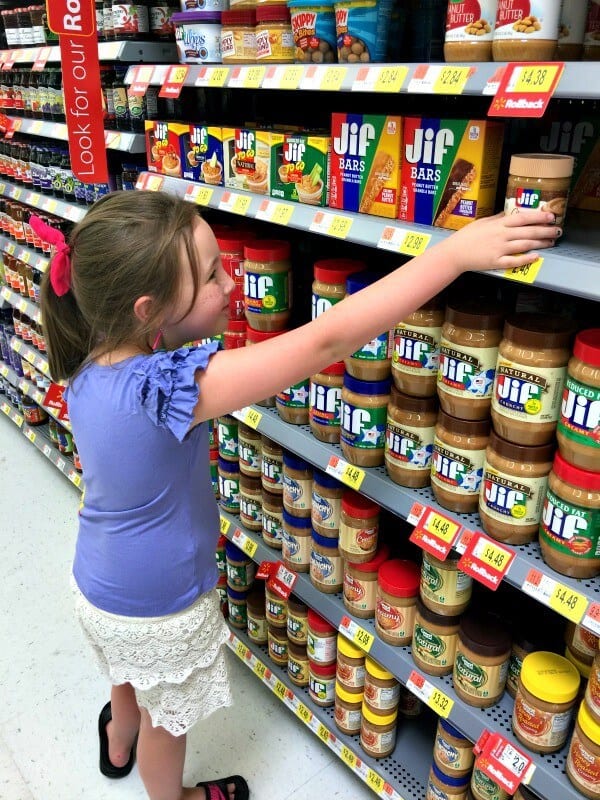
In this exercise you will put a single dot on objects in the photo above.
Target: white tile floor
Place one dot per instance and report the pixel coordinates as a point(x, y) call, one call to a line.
point(50, 693)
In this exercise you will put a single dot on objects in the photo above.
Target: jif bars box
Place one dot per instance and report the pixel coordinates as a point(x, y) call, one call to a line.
point(449, 170)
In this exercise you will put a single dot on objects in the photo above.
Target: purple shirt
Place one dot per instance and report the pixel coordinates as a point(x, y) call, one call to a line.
point(149, 524)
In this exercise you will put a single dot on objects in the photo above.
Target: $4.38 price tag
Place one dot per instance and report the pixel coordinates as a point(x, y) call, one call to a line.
point(351, 630)
point(435, 533)
point(501, 761)
point(346, 473)
point(430, 694)
point(173, 84)
point(486, 561)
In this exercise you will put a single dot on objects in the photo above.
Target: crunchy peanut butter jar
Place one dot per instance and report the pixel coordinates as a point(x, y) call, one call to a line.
point(521, 36)
point(416, 350)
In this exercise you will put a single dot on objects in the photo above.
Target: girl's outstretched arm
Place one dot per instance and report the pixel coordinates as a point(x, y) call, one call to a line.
point(236, 378)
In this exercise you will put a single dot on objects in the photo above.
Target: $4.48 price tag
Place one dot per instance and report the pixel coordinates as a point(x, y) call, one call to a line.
point(486, 561)
point(435, 533)
point(501, 761)
point(430, 694)
point(346, 473)
point(568, 602)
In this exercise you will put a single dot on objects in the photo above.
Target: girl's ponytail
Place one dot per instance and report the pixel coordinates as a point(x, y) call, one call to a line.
point(67, 333)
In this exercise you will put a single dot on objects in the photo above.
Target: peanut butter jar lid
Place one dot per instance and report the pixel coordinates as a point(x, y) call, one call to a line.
point(520, 453)
point(336, 270)
point(474, 314)
point(357, 505)
point(375, 563)
point(550, 677)
point(541, 165)
point(400, 577)
point(318, 624)
point(484, 635)
point(583, 669)
point(436, 619)
point(418, 405)
point(587, 346)
point(377, 671)
point(348, 649)
point(581, 478)
point(464, 427)
point(538, 331)
point(267, 250)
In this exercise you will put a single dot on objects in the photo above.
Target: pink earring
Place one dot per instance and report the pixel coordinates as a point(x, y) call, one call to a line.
point(157, 339)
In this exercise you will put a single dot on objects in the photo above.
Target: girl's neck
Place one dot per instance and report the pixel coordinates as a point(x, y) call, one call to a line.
point(119, 354)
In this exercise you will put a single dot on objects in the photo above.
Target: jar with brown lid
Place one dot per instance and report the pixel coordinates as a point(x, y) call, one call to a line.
point(396, 602)
point(582, 643)
point(513, 489)
point(297, 485)
point(579, 420)
point(271, 466)
point(249, 449)
point(257, 622)
point(272, 519)
point(525, 37)
point(278, 645)
point(363, 416)
point(350, 666)
point(409, 438)
point(481, 663)
point(360, 584)
point(359, 527)
point(469, 32)
point(325, 401)
point(297, 620)
point(539, 180)
point(452, 752)
point(378, 733)
point(298, 665)
point(468, 353)
point(570, 525)
point(348, 710)
point(373, 361)
point(416, 351)
point(326, 566)
point(583, 759)
point(267, 284)
point(444, 589)
point(296, 542)
point(329, 285)
point(326, 504)
point(457, 461)
point(227, 437)
point(251, 502)
point(275, 609)
point(292, 403)
point(434, 641)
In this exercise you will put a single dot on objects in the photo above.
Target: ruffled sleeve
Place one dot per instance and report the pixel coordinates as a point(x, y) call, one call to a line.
point(167, 388)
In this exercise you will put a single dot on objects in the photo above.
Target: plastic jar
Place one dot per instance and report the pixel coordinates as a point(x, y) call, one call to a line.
point(237, 608)
point(238, 37)
point(530, 374)
point(434, 641)
point(484, 788)
point(546, 695)
point(251, 502)
point(227, 437)
point(278, 645)
point(409, 436)
point(326, 504)
point(275, 609)
point(292, 403)
point(570, 524)
point(321, 642)
point(452, 752)
point(582, 643)
point(539, 180)
point(297, 621)
point(198, 37)
point(525, 37)
point(584, 673)
point(373, 362)
point(326, 567)
point(444, 588)
point(583, 759)
point(313, 27)
point(592, 690)
point(272, 519)
point(468, 353)
point(350, 669)
point(297, 485)
point(481, 663)
point(396, 601)
point(523, 644)
point(360, 584)
point(296, 542)
point(359, 527)
point(571, 31)
point(271, 466)
point(249, 451)
point(363, 415)
point(579, 419)
point(329, 284)
point(321, 683)
point(220, 557)
point(267, 284)
point(468, 32)
point(325, 401)
point(382, 690)
point(257, 622)
point(441, 786)
point(240, 568)
point(415, 357)
point(378, 733)
point(348, 710)
point(229, 486)
point(513, 488)
point(298, 665)
point(274, 38)
point(457, 461)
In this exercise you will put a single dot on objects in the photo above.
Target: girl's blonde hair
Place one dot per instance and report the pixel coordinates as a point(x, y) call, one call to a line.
point(128, 245)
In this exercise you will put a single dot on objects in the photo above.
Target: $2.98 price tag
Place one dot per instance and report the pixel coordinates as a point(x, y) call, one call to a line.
point(486, 561)
point(351, 630)
point(435, 533)
point(501, 761)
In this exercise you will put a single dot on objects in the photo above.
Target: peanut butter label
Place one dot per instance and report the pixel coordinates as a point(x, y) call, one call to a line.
point(297, 493)
point(583, 765)
point(515, 20)
point(527, 396)
point(592, 691)
point(323, 690)
point(229, 494)
point(321, 304)
point(326, 570)
point(227, 437)
point(326, 511)
point(271, 471)
point(276, 610)
point(249, 455)
point(382, 698)
point(257, 629)
point(272, 526)
point(239, 577)
point(459, 471)
point(448, 587)
point(433, 649)
point(466, 372)
point(378, 349)
point(358, 540)
point(238, 613)
point(296, 549)
point(478, 681)
point(416, 350)
point(359, 595)
point(295, 396)
point(325, 404)
point(296, 627)
point(484, 788)
point(542, 728)
point(250, 509)
point(298, 670)
point(396, 621)
point(510, 501)
point(569, 529)
point(452, 758)
point(580, 414)
point(378, 742)
point(346, 719)
point(470, 21)
point(266, 293)
point(363, 427)
point(409, 448)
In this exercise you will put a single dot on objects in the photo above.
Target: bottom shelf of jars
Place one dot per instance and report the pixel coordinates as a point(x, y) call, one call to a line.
point(399, 776)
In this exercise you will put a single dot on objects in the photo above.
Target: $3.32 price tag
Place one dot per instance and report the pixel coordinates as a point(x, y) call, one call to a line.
point(486, 561)
point(430, 694)
point(436, 533)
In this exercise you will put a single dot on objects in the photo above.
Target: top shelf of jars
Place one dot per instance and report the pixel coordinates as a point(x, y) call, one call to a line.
point(126, 51)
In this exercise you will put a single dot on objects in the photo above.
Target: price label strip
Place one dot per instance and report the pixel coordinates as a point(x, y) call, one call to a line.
point(331, 224)
point(486, 561)
point(176, 77)
point(272, 211)
point(212, 76)
point(436, 533)
point(380, 79)
point(433, 697)
point(410, 243)
point(283, 77)
point(525, 274)
point(201, 195)
point(235, 203)
point(244, 542)
point(525, 89)
point(346, 473)
point(591, 619)
point(361, 637)
point(246, 77)
point(439, 79)
point(501, 761)
point(568, 602)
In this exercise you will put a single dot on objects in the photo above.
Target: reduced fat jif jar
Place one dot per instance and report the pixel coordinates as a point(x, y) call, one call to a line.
point(321, 643)
point(321, 683)
point(481, 663)
point(409, 438)
point(363, 417)
point(397, 592)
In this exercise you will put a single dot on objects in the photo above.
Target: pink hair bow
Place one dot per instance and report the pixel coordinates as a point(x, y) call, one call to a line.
point(60, 266)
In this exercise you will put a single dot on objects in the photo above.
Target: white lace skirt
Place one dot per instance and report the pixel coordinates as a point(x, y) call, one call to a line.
point(175, 663)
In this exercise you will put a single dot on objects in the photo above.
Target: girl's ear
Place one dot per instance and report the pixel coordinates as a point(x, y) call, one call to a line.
point(142, 308)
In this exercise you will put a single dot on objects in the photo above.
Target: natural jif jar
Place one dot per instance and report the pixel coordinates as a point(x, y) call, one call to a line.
point(251, 502)
point(297, 485)
point(396, 604)
point(539, 180)
point(348, 710)
point(326, 565)
point(546, 695)
point(271, 466)
point(297, 621)
point(359, 527)
point(374, 359)
point(570, 524)
point(249, 449)
point(457, 461)
point(481, 663)
point(363, 417)
point(530, 374)
point(409, 438)
point(579, 420)
point(434, 641)
point(360, 584)
point(452, 752)
point(469, 31)
point(298, 664)
point(326, 504)
point(583, 759)
point(296, 542)
point(267, 282)
point(325, 401)
point(468, 353)
point(442, 786)
point(329, 285)
point(513, 489)
point(444, 589)
point(519, 36)
point(378, 732)
point(415, 357)
point(257, 622)
point(350, 669)
point(272, 519)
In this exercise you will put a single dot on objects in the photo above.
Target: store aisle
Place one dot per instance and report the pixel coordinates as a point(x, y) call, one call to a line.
point(50, 693)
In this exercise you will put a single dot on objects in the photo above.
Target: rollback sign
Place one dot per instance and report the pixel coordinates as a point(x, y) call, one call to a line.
point(75, 23)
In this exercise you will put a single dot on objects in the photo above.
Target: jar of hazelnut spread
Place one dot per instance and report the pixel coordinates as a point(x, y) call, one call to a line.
point(457, 462)
point(468, 353)
point(469, 31)
point(324, 402)
point(570, 524)
point(583, 759)
point(397, 592)
point(373, 361)
point(363, 416)
point(513, 489)
point(329, 285)
point(578, 430)
point(416, 351)
point(539, 180)
point(409, 438)
point(521, 36)
point(267, 284)
point(481, 663)
point(531, 369)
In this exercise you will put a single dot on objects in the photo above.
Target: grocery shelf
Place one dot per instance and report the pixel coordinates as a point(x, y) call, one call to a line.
point(31, 390)
point(548, 780)
point(23, 253)
point(577, 254)
point(400, 776)
point(44, 202)
point(114, 140)
point(107, 51)
point(21, 303)
point(30, 354)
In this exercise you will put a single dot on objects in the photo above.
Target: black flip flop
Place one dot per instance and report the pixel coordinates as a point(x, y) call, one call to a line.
point(217, 790)
point(107, 768)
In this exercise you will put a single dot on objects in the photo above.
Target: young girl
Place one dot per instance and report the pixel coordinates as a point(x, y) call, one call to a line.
point(142, 270)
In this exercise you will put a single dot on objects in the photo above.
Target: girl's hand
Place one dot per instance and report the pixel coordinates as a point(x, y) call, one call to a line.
point(504, 242)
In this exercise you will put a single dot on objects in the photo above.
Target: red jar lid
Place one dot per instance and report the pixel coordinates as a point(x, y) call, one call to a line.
point(275, 13)
point(400, 577)
point(261, 336)
point(380, 557)
point(357, 505)
point(238, 18)
point(336, 270)
point(237, 326)
point(587, 346)
point(234, 241)
point(334, 369)
point(322, 671)
point(267, 250)
point(318, 624)
point(581, 478)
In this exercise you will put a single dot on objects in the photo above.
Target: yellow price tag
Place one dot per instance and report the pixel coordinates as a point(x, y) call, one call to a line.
point(496, 556)
point(25, 257)
point(11, 248)
point(204, 195)
point(363, 639)
point(224, 526)
point(333, 79)
point(76, 479)
point(50, 205)
point(260, 669)
point(452, 80)
point(34, 198)
point(536, 78)
point(291, 77)
point(22, 305)
point(31, 436)
point(154, 183)
point(440, 526)
point(441, 703)
point(340, 226)
point(5, 409)
point(177, 74)
point(525, 274)
point(18, 420)
point(218, 76)
point(45, 367)
point(282, 214)
point(323, 733)
point(241, 650)
point(249, 547)
point(252, 418)
point(348, 756)
point(353, 476)
point(414, 244)
point(304, 713)
point(17, 346)
point(375, 781)
point(17, 194)
point(241, 204)
point(568, 602)
point(4, 371)
point(390, 79)
point(253, 77)
point(279, 689)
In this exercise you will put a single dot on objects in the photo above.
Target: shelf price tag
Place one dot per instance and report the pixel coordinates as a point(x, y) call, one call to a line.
point(176, 77)
point(439, 79)
point(235, 203)
point(246, 77)
point(347, 756)
point(142, 78)
point(331, 224)
point(436, 533)
point(410, 243)
point(380, 79)
point(486, 561)
point(279, 689)
point(304, 713)
point(375, 781)
point(323, 733)
point(196, 193)
point(212, 76)
point(281, 580)
point(244, 542)
point(224, 525)
point(30, 435)
point(568, 602)
point(430, 694)
point(251, 417)
point(526, 88)
point(591, 619)
point(351, 630)
point(272, 211)
point(525, 274)
point(346, 473)
point(261, 670)
point(501, 761)
point(332, 79)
